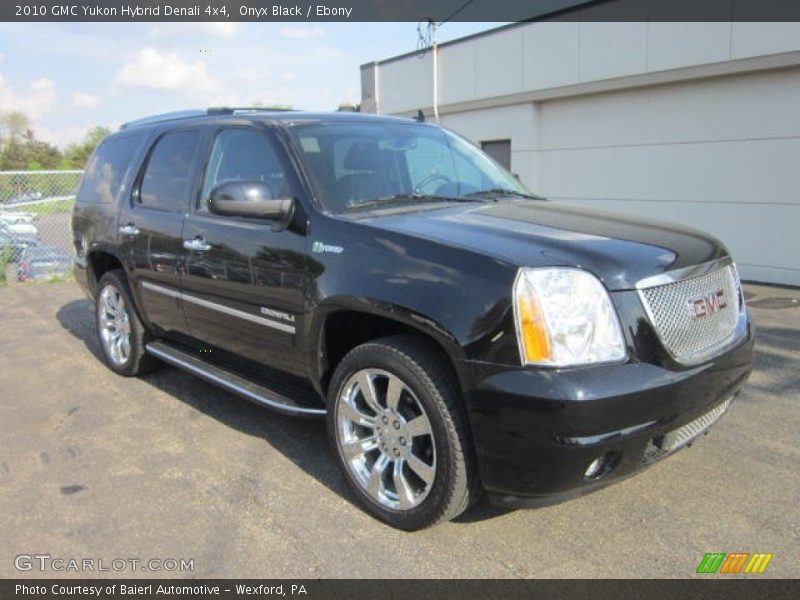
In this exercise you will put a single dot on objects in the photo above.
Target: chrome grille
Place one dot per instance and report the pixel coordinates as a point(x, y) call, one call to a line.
point(683, 435)
point(672, 308)
point(676, 439)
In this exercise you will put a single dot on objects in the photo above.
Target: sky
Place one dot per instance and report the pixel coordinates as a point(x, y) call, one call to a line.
point(68, 77)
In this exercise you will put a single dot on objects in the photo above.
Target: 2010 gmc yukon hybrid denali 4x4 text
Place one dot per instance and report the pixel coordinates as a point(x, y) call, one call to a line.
point(461, 335)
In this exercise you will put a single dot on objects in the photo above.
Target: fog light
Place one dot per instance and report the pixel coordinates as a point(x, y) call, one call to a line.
point(600, 466)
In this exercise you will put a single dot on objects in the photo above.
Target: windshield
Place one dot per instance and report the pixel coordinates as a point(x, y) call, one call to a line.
point(373, 165)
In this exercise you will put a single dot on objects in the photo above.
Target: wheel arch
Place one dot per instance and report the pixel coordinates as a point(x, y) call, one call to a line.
point(98, 262)
point(357, 321)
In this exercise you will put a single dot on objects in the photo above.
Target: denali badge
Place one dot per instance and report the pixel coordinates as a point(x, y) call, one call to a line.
point(707, 304)
point(277, 314)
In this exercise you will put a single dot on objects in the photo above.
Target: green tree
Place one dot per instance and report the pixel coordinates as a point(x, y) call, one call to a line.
point(14, 123)
point(41, 155)
point(28, 153)
point(20, 150)
point(12, 156)
point(76, 155)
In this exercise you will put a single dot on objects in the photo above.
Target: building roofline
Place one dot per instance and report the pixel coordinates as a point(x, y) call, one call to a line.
point(471, 36)
point(566, 6)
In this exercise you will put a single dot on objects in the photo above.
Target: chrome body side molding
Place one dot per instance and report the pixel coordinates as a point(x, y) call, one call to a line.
point(233, 312)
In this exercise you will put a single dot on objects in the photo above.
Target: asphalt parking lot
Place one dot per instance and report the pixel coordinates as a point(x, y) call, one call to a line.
point(97, 466)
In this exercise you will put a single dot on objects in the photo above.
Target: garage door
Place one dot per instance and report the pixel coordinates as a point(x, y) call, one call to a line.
point(721, 155)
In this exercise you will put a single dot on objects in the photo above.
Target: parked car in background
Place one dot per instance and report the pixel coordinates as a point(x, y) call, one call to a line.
point(17, 217)
point(24, 229)
point(16, 243)
point(26, 197)
point(38, 263)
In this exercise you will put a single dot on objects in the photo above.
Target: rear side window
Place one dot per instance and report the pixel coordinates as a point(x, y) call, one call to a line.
point(167, 178)
point(106, 170)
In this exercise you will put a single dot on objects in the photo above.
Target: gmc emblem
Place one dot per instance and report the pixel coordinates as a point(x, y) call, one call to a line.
point(708, 304)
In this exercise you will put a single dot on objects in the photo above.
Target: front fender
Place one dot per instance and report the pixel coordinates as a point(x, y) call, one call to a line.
point(378, 308)
point(458, 296)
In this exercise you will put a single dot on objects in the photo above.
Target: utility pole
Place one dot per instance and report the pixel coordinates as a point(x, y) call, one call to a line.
point(434, 48)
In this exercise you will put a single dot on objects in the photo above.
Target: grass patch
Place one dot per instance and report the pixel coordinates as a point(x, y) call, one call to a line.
point(65, 278)
point(5, 258)
point(47, 208)
point(43, 208)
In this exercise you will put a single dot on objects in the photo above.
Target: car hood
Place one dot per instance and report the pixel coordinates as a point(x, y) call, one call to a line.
point(619, 249)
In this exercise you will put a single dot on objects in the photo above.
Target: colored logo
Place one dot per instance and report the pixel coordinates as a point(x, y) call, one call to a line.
point(708, 304)
point(734, 562)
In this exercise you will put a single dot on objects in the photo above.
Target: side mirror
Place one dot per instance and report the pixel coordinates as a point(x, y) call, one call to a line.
point(251, 199)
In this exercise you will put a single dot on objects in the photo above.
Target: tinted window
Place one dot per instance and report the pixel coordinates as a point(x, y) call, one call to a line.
point(243, 155)
point(381, 164)
point(429, 161)
point(106, 169)
point(167, 178)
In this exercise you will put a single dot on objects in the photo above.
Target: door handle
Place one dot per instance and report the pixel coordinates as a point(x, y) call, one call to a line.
point(129, 229)
point(197, 244)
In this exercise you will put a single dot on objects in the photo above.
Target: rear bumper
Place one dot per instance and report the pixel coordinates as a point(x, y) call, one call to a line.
point(537, 431)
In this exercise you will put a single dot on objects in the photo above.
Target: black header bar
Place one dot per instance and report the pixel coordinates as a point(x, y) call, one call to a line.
point(398, 10)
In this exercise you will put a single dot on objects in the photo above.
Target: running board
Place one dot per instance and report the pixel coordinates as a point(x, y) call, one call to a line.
point(230, 381)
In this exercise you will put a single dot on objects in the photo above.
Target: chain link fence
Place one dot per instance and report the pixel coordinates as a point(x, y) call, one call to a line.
point(35, 225)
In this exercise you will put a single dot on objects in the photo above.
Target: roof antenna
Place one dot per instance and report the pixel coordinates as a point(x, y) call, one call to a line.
point(420, 116)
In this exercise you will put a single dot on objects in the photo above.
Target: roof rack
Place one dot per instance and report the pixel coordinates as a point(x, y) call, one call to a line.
point(195, 113)
point(235, 110)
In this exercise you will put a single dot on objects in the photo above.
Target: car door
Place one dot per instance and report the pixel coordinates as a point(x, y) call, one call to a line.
point(244, 280)
point(151, 225)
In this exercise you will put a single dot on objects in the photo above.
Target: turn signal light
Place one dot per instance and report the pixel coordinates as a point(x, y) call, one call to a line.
point(535, 344)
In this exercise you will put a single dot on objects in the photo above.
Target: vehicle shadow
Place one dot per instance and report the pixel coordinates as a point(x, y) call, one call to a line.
point(775, 359)
point(301, 440)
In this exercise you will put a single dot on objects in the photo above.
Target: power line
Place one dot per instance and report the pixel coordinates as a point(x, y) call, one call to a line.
point(424, 34)
point(426, 28)
point(458, 10)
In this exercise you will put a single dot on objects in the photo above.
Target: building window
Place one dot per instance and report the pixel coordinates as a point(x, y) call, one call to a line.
point(500, 151)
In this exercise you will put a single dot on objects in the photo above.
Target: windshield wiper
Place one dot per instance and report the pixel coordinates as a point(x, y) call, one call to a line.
point(503, 192)
point(412, 196)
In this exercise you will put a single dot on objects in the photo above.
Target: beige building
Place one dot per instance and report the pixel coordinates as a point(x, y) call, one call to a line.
point(697, 123)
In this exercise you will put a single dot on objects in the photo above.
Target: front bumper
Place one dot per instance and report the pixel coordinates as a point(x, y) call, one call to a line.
point(537, 431)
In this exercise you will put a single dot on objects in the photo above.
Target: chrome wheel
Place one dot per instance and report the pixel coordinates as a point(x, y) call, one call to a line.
point(115, 325)
point(385, 438)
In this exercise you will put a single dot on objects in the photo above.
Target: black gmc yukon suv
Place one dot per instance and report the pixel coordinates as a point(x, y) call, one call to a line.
point(460, 333)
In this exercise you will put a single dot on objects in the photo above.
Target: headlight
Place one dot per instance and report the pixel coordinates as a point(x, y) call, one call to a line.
point(565, 317)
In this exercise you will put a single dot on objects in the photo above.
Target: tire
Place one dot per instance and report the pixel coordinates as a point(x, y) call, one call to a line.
point(128, 357)
point(411, 466)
